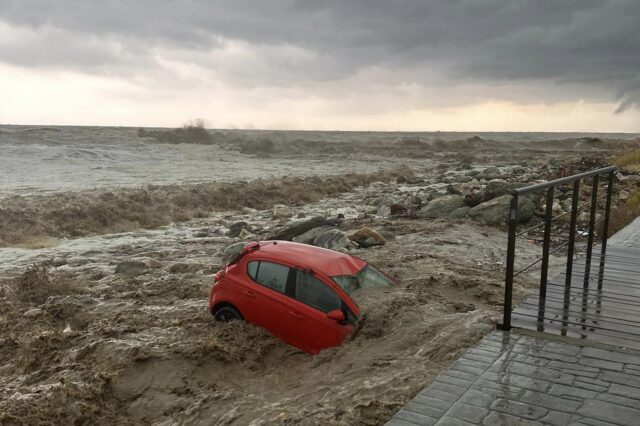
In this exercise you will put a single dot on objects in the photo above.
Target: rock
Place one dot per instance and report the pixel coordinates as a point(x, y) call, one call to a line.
point(460, 212)
point(497, 188)
point(185, 268)
point(491, 173)
point(401, 179)
point(453, 190)
point(293, 229)
point(623, 195)
point(149, 262)
point(400, 210)
point(441, 207)
point(244, 234)
point(231, 251)
point(494, 212)
point(333, 239)
point(236, 228)
point(383, 210)
point(474, 198)
point(309, 236)
point(367, 237)
point(32, 313)
point(280, 211)
point(556, 207)
point(131, 267)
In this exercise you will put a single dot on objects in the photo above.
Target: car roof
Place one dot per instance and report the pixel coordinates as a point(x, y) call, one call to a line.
point(318, 259)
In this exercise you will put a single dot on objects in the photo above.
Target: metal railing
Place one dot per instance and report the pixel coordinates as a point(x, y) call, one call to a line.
point(569, 244)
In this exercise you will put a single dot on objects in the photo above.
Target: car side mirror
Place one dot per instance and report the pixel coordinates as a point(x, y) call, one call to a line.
point(336, 315)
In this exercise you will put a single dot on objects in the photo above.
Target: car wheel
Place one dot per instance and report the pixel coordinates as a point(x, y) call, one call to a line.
point(226, 314)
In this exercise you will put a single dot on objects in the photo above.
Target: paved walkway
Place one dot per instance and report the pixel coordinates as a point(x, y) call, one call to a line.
point(527, 377)
point(511, 378)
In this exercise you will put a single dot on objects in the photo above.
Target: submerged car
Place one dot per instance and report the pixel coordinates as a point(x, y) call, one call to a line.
point(299, 293)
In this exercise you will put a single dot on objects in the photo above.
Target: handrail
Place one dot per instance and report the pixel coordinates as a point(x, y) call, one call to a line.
point(512, 220)
point(561, 181)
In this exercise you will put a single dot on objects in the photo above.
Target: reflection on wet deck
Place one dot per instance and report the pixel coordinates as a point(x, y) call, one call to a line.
point(602, 304)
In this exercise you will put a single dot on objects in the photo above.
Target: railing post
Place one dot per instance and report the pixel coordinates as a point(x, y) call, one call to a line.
point(572, 233)
point(544, 272)
point(511, 252)
point(592, 225)
point(570, 249)
point(605, 228)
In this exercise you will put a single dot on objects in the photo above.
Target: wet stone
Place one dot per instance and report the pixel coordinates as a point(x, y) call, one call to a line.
point(507, 420)
point(619, 400)
point(425, 410)
point(476, 398)
point(454, 381)
point(432, 402)
point(467, 412)
point(416, 418)
point(518, 409)
point(550, 401)
point(609, 412)
point(572, 392)
point(620, 378)
point(601, 363)
point(614, 356)
point(526, 382)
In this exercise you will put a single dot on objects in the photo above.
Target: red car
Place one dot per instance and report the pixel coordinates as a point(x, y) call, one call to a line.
point(299, 293)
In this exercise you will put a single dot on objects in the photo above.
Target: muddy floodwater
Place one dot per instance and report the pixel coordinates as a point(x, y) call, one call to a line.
point(104, 279)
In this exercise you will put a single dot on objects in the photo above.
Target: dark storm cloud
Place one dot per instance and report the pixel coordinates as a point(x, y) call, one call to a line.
point(561, 43)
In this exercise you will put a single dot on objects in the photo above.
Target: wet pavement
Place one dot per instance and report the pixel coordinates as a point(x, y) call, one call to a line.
point(525, 377)
point(515, 378)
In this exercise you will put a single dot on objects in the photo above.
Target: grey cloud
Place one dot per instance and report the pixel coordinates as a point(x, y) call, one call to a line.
point(559, 43)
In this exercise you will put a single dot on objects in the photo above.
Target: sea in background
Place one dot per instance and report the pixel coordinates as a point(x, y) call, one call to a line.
point(45, 159)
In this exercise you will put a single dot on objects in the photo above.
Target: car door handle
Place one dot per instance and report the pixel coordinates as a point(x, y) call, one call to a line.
point(249, 293)
point(295, 314)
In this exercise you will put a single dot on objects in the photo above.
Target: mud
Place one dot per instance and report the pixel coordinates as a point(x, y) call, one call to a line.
point(82, 344)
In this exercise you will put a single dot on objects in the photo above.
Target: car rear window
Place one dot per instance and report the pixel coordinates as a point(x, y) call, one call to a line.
point(313, 292)
point(269, 275)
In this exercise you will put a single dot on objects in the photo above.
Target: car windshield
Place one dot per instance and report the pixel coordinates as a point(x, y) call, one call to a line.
point(368, 277)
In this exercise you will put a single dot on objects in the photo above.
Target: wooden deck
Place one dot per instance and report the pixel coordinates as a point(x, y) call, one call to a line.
point(604, 309)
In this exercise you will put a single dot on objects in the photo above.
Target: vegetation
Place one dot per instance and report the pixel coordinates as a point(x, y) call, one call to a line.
point(35, 285)
point(629, 162)
point(624, 213)
point(194, 133)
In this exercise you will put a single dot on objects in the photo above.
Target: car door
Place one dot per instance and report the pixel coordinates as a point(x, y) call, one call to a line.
point(313, 300)
point(266, 294)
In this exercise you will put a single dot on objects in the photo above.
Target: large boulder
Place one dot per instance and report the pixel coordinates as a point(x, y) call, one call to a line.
point(236, 228)
point(333, 239)
point(367, 237)
point(131, 267)
point(231, 251)
point(460, 212)
point(293, 229)
point(495, 211)
point(441, 207)
point(309, 236)
point(497, 188)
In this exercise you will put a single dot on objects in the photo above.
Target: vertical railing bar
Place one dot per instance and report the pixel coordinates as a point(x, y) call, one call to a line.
point(570, 249)
point(544, 272)
point(592, 224)
point(605, 229)
point(511, 252)
point(572, 233)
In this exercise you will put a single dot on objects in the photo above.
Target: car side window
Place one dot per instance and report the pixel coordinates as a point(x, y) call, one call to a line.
point(313, 292)
point(252, 269)
point(271, 275)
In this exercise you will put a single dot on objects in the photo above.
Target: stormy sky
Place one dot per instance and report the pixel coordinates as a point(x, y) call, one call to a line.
point(557, 65)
